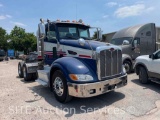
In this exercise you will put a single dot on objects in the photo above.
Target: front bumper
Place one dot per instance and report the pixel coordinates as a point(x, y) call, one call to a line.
point(97, 88)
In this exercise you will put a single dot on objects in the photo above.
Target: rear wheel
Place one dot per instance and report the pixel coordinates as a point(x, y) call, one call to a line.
point(127, 66)
point(34, 76)
point(143, 76)
point(59, 87)
point(27, 76)
point(20, 72)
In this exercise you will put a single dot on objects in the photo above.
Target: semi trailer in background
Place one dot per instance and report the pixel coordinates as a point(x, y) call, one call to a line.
point(2, 54)
point(135, 41)
point(11, 53)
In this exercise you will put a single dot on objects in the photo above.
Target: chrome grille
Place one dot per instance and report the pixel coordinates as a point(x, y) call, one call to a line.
point(109, 63)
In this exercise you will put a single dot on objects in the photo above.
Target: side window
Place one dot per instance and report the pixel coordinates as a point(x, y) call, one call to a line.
point(148, 33)
point(136, 42)
point(51, 33)
point(157, 55)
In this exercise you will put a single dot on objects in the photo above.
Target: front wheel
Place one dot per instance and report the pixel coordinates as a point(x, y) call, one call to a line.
point(127, 66)
point(143, 76)
point(59, 87)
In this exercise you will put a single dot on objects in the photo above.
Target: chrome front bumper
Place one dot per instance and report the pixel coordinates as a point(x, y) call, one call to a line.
point(97, 88)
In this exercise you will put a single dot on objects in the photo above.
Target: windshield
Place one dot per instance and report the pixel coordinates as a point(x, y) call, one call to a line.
point(73, 31)
point(119, 41)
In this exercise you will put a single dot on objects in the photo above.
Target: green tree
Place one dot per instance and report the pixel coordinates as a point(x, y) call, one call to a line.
point(3, 39)
point(29, 42)
point(17, 36)
point(95, 36)
point(22, 41)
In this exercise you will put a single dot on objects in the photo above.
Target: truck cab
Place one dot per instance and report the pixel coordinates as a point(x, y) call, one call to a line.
point(74, 65)
point(147, 66)
point(135, 41)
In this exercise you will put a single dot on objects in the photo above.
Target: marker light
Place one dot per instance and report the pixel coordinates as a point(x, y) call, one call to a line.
point(73, 77)
point(80, 77)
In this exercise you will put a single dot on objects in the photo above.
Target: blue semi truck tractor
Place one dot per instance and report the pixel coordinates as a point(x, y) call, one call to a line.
point(72, 64)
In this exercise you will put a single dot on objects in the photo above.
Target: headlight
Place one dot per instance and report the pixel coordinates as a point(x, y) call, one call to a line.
point(80, 77)
point(124, 70)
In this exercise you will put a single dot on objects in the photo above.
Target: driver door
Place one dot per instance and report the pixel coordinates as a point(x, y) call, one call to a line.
point(50, 44)
point(155, 64)
point(136, 48)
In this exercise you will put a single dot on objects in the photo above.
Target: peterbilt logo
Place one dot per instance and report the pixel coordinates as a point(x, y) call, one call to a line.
point(111, 49)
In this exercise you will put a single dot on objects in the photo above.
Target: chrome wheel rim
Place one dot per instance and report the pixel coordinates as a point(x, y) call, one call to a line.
point(58, 86)
point(19, 69)
point(127, 67)
point(24, 72)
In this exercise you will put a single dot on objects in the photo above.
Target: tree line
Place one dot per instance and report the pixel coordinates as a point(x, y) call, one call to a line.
point(18, 39)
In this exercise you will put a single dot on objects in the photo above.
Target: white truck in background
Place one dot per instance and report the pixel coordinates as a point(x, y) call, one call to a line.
point(148, 66)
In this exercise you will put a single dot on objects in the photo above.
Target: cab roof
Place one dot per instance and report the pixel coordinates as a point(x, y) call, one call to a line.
point(129, 31)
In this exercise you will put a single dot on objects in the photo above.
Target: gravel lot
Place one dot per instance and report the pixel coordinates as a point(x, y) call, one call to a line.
point(31, 101)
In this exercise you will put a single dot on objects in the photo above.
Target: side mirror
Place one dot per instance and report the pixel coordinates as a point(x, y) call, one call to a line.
point(136, 43)
point(41, 30)
point(125, 42)
point(99, 34)
point(81, 41)
point(151, 56)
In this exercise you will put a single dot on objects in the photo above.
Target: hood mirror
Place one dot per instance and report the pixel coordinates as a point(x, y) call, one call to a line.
point(81, 41)
point(125, 42)
point(99, 34)
point(151, 56)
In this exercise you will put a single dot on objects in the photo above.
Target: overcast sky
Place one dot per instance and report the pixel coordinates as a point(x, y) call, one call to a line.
point(110, 15)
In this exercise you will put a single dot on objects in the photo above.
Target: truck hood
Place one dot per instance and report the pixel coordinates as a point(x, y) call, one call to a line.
point(124, 47)
point(93, 44)
point(143, 57)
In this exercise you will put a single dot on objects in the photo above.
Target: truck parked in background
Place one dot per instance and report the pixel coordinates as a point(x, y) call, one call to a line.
point(148, 66)
point(73, 64)
point(19, 54)
point(11, 54)
point(2, 54)
point(135, 41)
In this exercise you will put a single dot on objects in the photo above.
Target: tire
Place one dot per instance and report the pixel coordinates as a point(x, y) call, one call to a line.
point(143, 76)
point(27, 76)
point(20, 72)
point(59, 87)
point(34, 76)
point(127, 66)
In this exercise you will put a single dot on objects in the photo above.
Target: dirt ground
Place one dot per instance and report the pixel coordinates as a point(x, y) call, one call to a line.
point(22, 100)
